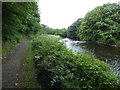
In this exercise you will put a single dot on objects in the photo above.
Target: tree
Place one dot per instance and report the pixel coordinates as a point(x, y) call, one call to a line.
point(101, 24)
point(19, 18)
point(72, 31)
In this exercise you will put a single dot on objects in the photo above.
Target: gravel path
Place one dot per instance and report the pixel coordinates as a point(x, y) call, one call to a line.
point(12, 65)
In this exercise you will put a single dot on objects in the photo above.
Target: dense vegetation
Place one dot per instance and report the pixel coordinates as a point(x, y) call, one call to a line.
point(19, 20)
point(102, 24)
point(60, 68)
point(73, 30)
point(48, 30)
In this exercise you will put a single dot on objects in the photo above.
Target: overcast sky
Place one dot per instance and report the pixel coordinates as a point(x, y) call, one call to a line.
point(62, 13)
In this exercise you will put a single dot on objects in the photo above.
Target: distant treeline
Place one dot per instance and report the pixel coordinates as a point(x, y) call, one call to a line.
point(48, 30)
point(101, 24)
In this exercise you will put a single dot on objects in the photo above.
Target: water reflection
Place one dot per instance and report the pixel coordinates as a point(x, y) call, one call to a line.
point(102, 52)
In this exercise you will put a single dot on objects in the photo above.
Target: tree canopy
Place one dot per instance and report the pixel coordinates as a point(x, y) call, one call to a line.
point(47, 30)
point(72, 31)
point(101, 24)
point(19, 19)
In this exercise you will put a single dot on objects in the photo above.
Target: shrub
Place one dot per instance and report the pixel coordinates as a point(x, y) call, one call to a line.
point(60, 68)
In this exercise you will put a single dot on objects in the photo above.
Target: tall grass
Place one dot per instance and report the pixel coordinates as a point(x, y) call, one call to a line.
point(60, 68)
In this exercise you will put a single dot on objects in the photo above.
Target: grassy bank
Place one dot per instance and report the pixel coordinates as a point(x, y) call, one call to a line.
point(29, 75)
point(60, 68)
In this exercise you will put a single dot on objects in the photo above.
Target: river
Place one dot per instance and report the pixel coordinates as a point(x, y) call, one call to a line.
point(109, 54)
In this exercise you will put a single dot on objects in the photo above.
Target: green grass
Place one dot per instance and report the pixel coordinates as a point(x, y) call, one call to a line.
point(62, 69)
point(29, 75)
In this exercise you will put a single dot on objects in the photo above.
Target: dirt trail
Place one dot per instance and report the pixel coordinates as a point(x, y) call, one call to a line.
point(12, 64)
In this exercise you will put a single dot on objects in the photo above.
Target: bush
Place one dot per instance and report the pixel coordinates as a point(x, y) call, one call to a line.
point(60, 68)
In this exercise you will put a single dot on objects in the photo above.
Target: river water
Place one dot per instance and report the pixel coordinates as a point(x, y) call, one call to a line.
point(103, 52)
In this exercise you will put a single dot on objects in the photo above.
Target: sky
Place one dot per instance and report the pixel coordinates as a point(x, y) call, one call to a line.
point(62, 13)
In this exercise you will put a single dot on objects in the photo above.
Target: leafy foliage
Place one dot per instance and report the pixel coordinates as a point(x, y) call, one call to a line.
point(60, 68)
point(101, 24)
point(72, 31)
point(60, 32)
point(19, 19)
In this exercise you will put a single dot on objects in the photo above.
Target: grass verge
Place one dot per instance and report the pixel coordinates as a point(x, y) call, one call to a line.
point(29, 75)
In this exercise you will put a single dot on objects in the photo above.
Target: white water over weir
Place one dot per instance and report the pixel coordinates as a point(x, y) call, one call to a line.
point(103, 52)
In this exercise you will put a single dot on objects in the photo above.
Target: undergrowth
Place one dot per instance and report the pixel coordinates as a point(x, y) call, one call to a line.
point(60, 68)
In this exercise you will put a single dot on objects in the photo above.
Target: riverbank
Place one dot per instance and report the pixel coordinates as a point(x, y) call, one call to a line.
point(103, 52)
point(60, 68)
point(113, 45)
